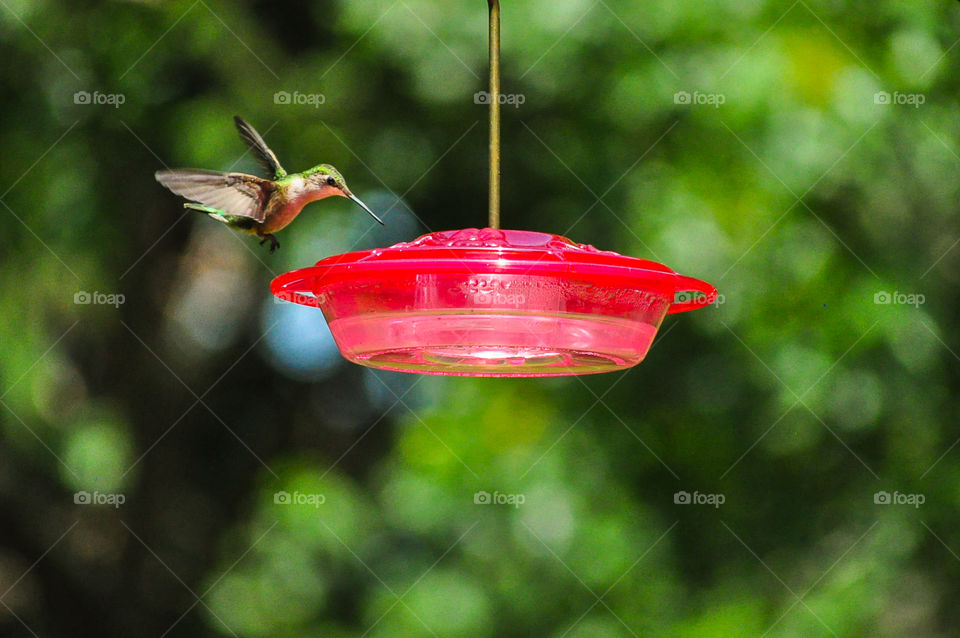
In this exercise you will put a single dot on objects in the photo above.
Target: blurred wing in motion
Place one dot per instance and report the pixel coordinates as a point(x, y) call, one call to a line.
point(235, 194)
point(264, 155)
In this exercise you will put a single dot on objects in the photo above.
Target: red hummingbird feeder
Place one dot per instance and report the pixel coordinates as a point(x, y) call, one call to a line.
point(491, 302)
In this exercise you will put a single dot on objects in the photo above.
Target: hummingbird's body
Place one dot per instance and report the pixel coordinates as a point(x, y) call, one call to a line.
point(253, 204)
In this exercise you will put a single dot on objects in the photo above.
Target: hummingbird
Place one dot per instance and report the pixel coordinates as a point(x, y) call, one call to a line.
point(253, 204)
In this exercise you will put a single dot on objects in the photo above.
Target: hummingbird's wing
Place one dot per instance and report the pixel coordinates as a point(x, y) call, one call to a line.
point(236, 194)
point(264, 155)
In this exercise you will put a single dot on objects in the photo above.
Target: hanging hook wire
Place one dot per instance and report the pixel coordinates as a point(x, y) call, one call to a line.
point(494, 221)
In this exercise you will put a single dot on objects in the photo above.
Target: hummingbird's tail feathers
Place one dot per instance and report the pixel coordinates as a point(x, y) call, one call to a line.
point(209, 210)
point(240, 223)
point(232, 194)
point(264, 155)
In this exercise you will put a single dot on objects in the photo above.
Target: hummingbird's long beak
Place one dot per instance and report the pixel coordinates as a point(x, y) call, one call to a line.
point(363, 206)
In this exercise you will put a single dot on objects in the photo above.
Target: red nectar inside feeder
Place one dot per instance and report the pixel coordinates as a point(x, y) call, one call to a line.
point(493, 302)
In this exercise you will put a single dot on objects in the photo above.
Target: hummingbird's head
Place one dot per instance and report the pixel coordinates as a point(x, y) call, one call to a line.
point(329, 182)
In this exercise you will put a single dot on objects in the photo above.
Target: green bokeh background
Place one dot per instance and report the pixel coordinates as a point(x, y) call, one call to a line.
point(798, 398)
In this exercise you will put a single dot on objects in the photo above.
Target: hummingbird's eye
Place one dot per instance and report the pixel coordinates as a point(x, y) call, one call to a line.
point(331, 181)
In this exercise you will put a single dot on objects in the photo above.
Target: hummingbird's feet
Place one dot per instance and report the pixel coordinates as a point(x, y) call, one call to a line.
point(274, 244)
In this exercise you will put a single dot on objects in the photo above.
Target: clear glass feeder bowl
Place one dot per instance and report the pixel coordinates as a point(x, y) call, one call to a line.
point(493, 303)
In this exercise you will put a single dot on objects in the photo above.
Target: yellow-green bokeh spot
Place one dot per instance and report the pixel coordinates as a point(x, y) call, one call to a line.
point(815, 62)
point(477, 428)
point(319, 509)
point(97, 452)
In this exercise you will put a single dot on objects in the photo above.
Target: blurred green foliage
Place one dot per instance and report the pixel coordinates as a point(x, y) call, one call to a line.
point(820, 197)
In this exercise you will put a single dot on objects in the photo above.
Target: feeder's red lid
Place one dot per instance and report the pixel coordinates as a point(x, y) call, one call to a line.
point(488, 250)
